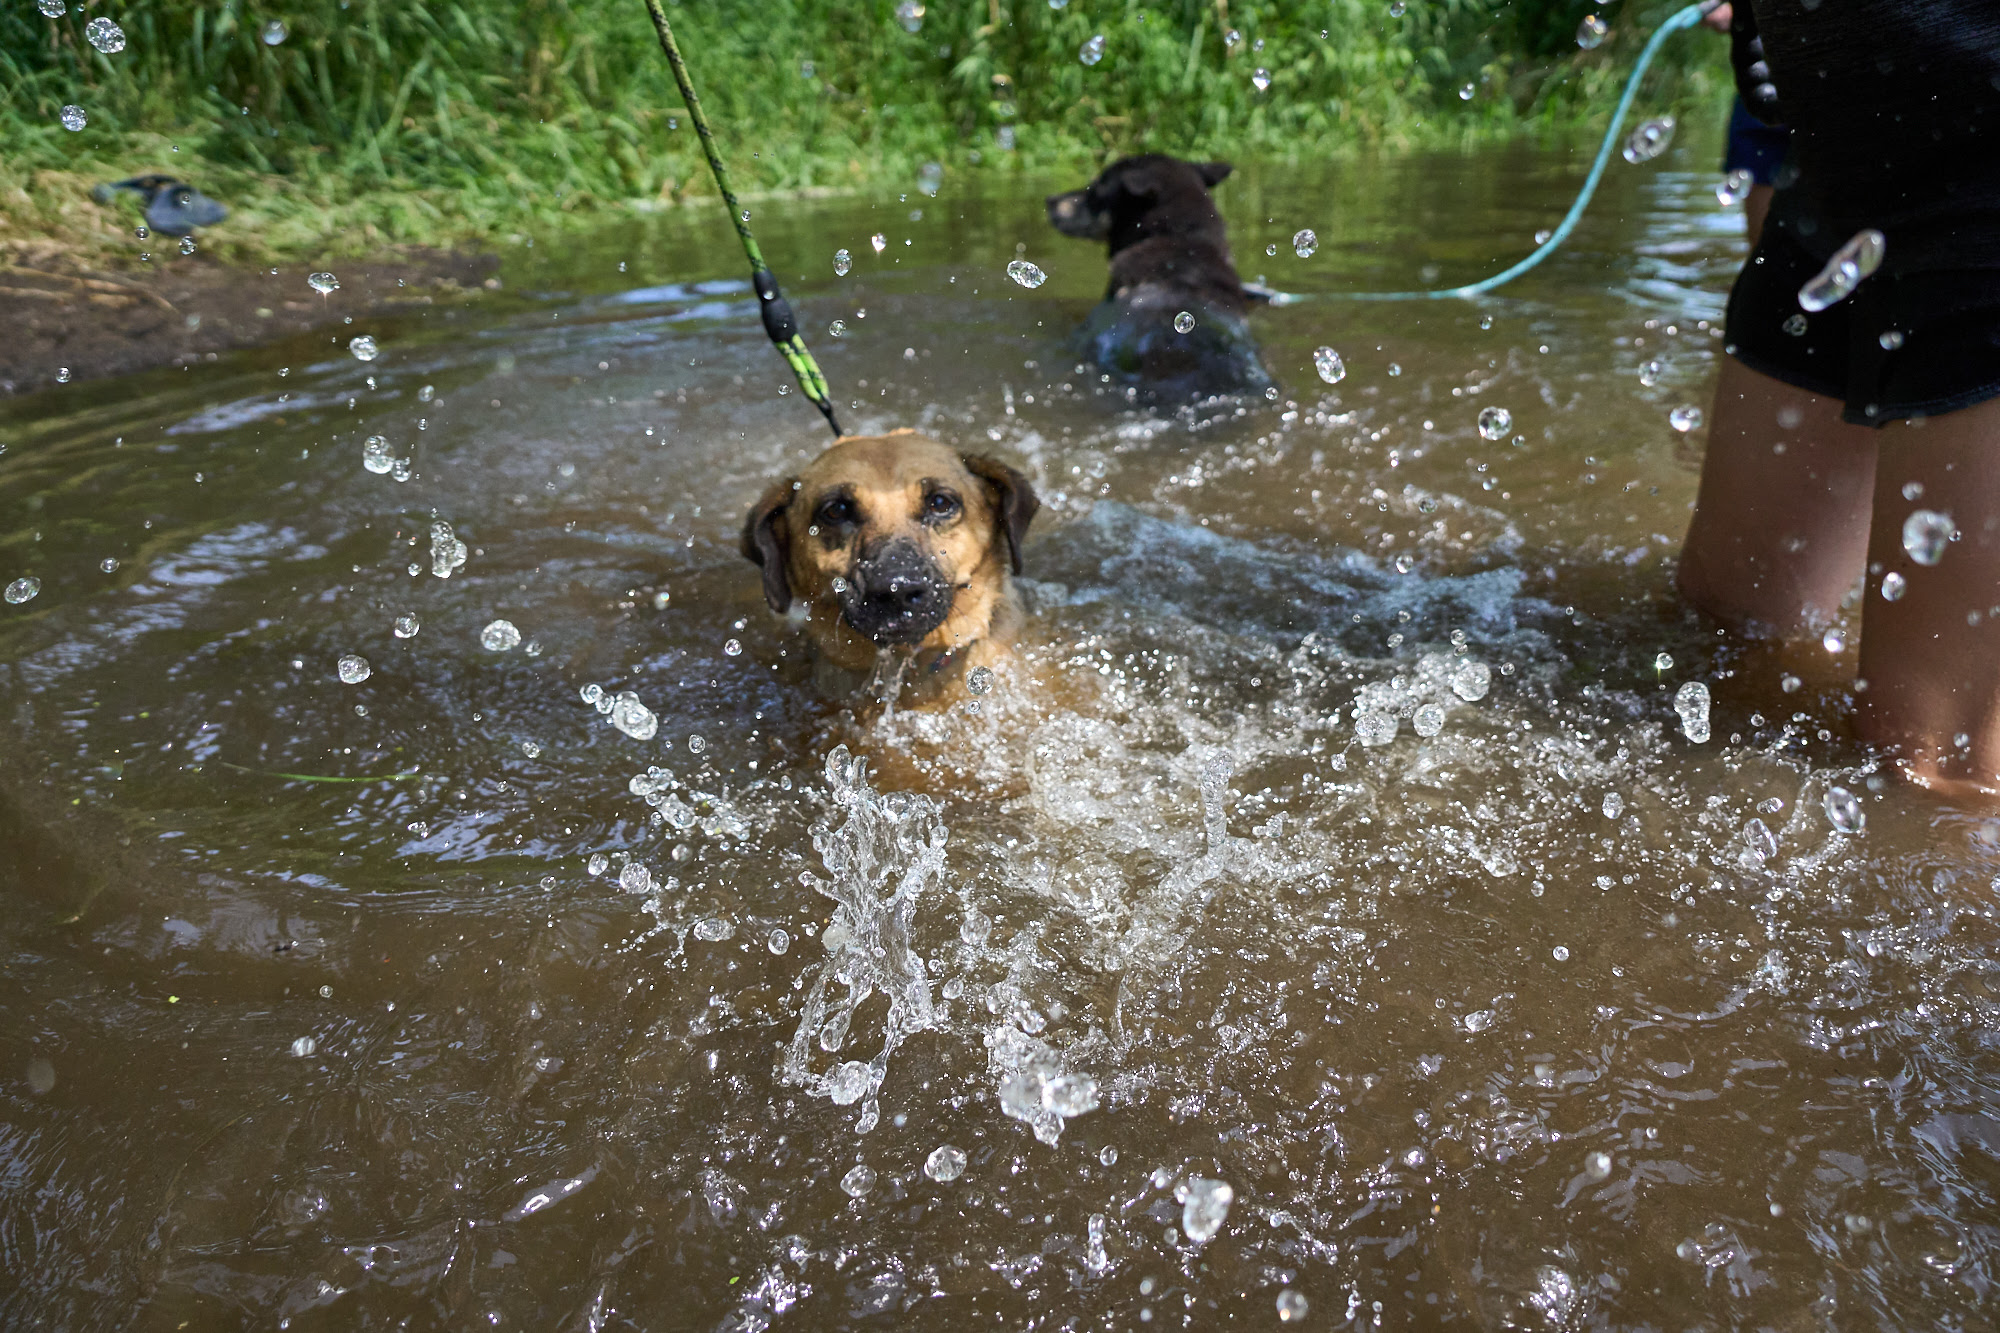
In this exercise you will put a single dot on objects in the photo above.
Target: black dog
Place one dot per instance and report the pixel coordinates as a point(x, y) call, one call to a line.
point(1169, 257)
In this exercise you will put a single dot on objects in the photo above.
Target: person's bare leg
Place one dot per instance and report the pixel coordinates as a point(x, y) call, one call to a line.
point(1756, 205)
point(1780, 527)
point(1932, 657)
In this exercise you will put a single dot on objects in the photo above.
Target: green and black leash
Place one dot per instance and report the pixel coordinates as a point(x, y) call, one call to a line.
point(779, 322)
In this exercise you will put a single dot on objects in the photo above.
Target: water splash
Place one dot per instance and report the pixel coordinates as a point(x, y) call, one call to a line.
point(883, 853)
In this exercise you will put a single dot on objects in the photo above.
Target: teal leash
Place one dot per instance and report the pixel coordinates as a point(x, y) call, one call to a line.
point(1685, 18)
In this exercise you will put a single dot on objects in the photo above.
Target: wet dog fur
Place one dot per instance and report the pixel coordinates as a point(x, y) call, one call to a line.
point(901, 553)
point(1169, 253)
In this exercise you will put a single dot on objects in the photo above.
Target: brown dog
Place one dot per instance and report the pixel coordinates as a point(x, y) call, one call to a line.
point(903, 552)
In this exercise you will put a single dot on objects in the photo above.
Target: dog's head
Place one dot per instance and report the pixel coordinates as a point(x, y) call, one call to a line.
point(891, 540)
point(1137, 197)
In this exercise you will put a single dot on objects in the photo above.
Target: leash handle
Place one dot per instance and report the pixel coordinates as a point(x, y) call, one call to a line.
point(780, 325)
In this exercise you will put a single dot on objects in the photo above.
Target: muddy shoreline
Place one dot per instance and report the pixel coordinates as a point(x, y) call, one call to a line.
point(66, 323)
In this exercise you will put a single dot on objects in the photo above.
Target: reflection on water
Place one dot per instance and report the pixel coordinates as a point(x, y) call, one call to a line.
point(1334, 839)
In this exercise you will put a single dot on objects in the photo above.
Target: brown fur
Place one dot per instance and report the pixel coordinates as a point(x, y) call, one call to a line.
point(889, 480)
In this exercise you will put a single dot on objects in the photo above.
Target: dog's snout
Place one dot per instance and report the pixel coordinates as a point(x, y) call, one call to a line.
point(896, 594)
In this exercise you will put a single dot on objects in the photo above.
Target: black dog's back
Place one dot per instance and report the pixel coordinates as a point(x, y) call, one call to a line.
point(1169, 256)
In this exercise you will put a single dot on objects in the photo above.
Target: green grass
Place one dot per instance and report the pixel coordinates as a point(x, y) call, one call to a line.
point(376, 123)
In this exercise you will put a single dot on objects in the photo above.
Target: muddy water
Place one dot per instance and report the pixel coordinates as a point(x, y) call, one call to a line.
point(437, 1000)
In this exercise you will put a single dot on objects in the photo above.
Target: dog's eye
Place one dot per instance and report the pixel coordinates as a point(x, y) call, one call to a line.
point(835, 511)
point(940, 504)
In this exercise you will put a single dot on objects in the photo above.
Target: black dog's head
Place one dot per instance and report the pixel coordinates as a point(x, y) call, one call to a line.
point(1137, 198)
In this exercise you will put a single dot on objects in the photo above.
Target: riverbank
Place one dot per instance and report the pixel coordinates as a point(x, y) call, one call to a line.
point(68, 321)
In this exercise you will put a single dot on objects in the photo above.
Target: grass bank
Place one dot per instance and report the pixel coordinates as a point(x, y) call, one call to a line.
point(360, 123)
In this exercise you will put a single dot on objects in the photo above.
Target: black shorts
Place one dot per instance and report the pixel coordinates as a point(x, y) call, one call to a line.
point(1902, 345)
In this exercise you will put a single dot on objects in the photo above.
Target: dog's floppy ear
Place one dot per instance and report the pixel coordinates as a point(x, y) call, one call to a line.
point(1213, 173)
point(767, 541)
point(1012, 496)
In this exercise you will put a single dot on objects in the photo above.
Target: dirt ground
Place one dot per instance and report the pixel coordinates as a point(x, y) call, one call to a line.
point(59, 319)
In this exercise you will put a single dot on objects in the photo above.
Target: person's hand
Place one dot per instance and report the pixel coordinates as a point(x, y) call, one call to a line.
point(1718, 18)
point(1746, 60)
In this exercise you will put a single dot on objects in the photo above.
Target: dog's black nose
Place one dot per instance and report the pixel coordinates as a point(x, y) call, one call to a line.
point(895, 594)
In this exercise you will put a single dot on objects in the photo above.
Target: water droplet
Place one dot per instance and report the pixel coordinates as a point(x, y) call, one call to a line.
point(499, 636)
point(1375, 727)
point(376, 455)
point(1794, 325)
point(187, 245)
point(732, 648)
point(363, 347)
point(1560, 953)
point(1205, 1209)
point(910, 13)
point(632, 717)
point(323, 282)
point(1590, 33)
point(62, 375)
point(73, 118)
point(779, 940)
point(1614, 805)
point(635, 878)
point(1894, 585)
point(1292, 1306)
point(1396, 8)
point(105, 35)
point(1789, 683)
point(1232, 39)
point(1663, 662)
point(979, 680)
point(1850, 264)
point(22, 590)
point(1260, 79)
point(1542, 236)
point(1650, 139)
point(1735, 187)
point(1093, 50)
point(1649, 374)
point(353, 669)
point(1597, 1166)
point(1913, 491)
point(1833, 641)
point(714, 929)
point(1465, 93)
point(1329, 365)
point(1890, 339)
point(1108, 1155)
point(275, 33)
point(54, 9)
point(304, 1046)
point(1691, 702)
point(945, 1164)
point(1495, 422)
point(1070, 1094)
point(1394, 370)
point(1304, 242)
point(848, 1083)
point(878, 242)
point(1925, 535)
point(109, 564)
point(837, 329)
point(1183, 322)
point(843, 262)
point(1471, 680)
point(862, 1178)
point(1685, 418)
point(930, 178)
point(598, 863)
point(1843, 810)
point(1428, 720)
point(1021, 271)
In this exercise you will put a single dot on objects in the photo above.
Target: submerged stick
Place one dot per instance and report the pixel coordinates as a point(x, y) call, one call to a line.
point(779, 323)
